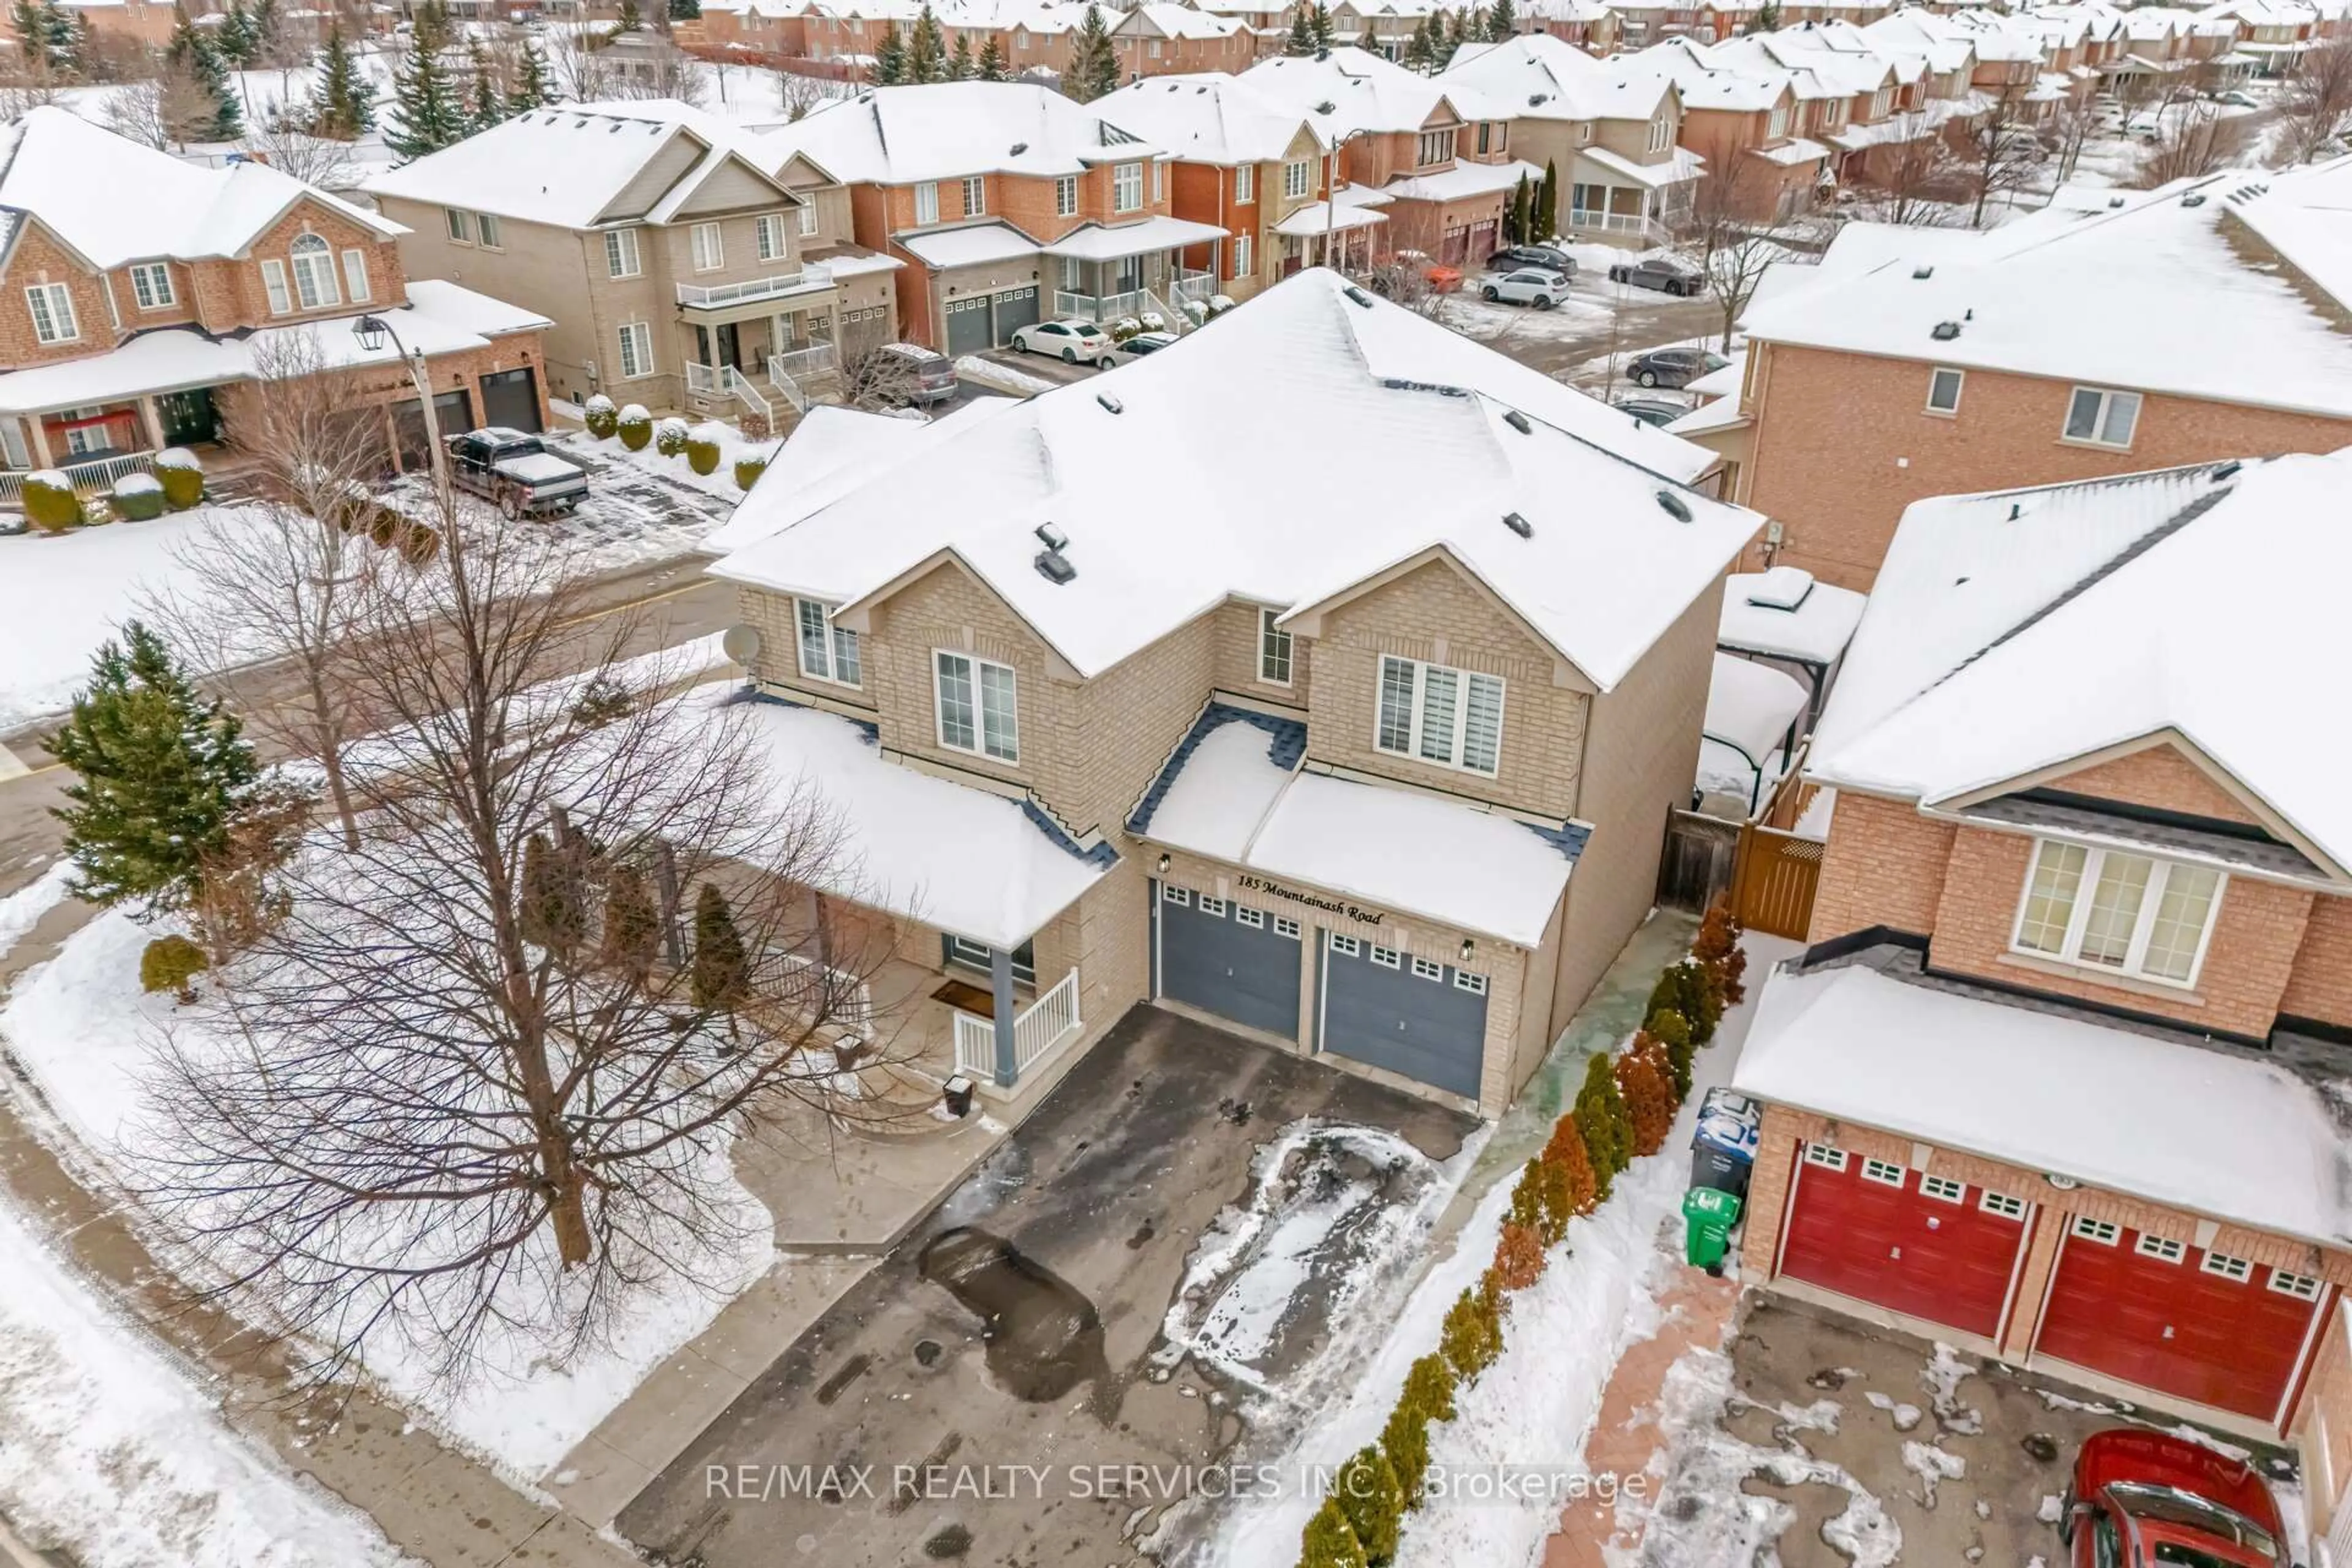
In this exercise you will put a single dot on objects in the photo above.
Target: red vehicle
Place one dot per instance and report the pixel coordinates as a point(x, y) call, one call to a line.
point(2148, 1500)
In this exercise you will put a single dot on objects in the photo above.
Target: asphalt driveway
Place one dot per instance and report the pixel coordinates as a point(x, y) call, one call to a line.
point(1050, 1357)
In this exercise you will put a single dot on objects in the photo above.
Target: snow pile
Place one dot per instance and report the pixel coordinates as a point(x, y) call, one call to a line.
point(21, 910)
point(983, 372)
point(111, 1454)
point(1933, 1466)
point(1942, 1378)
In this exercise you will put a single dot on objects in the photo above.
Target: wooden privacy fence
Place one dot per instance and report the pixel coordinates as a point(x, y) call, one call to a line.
point(1700, 862)
point(1774, 881)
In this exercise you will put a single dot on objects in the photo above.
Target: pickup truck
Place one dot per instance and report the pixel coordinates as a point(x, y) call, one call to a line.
point(516, 471)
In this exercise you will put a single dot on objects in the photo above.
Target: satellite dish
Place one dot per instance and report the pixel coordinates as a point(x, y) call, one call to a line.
point(741, 643)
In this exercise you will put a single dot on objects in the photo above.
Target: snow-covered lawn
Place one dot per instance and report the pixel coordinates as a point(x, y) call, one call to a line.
point(81, 1027)
point(1496, 323)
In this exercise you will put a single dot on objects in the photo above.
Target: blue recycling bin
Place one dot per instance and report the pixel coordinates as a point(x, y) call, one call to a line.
point(1723, 1150)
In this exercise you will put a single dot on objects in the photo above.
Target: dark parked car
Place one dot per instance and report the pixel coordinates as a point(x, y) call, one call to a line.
point(1550, 258)
point(1652, 410)
point(516, 471)
point(2141, 1499)
point(1674, 368)
point(930, 376)
point(1668, 274)
point(1143, 343)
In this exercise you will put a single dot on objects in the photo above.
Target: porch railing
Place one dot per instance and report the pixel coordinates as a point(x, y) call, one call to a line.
point(1648, 228)
point(1044, 1024)
point(726, 381)
point(1100, 309)
point(1193, 286)
point(802, 364)
point(96, 474)
point(713, 296)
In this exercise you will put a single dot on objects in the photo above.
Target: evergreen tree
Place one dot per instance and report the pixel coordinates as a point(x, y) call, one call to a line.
point(1501, 23)
point(486, 101)
point(927, 57)
point(1600, 1121)
point(427, 103)
point(1326, 33)
point(1331, 1540)
point(1454, 34)
point(555, 911)
point(1302, 32)
point(534, 84)
point(992, 66)
point(632, 939)
point(685, 10)
point(1418, 53)
point(1545, 217)
point(191, 51)
point(30, 21)
point(265, 31)
point(1093, 63)
point(163, 774)
point(234, 37)
point(431, 24)
point(720, 966)
point(343, 101)
point(1768, 17)
point(1375, 1503)
point(1516, 215)
point(960, 66)
point(61, 36)
point(889, 60)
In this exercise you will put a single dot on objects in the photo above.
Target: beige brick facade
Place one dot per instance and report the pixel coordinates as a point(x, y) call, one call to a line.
point(1884, 867)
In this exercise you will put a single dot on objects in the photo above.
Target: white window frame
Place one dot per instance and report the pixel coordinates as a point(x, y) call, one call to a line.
point(151, 285)
point(1425, 968)
point(706, 247)
point(975, 195)
point(1210, 906)
point(1298, 179)
point(1245, 916)
point(927, 202)
point(1275, 649)
point(1242, 258)
point(1778, 125)
point(836, 648)
point(1434, 148)
point(1386, 957)
point(1345, 946)
point(1885, 1173)
point(1943, 1189)
point(1065, 195)
point(1474, 984)
point(486, 225)
point(1127, 187)
point(1662, 135)
point(2221, 1265)
point(1936, 379)
point(2302, 1286)
point(1464, 679)
point(459, 224)
point(1244, 185)
point(356, 285)
point(2162, 1248)
point(1827, 1158)
point(2002, 1203)
point(768, 236)
point(312, 261)
point(1283, 926)
point(2108, 399)
point(1159, 181)
point(273, 283)
point(1174, 895)
point(622, 255)
point(2094, 860)
point(636, 344)
point(2106, 1232)
point(974, 677)
point(807, 225)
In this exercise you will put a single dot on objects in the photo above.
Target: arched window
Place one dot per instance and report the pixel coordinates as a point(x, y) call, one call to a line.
point(314, 273)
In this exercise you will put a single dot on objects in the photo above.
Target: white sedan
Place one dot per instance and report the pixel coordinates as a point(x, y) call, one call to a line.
point(1073, 342)
point(1527, 286)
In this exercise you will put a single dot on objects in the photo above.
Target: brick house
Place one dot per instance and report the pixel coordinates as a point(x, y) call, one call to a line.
point(1007, 204)
point(1297, 746)
point(142, 291)
point(689, 264)
point(2065, 346)
point(1241, 162)
point(1612, 129)
point(1742, 122)
point(1589, 24)
point(2058, 1078)
point(1159, 38)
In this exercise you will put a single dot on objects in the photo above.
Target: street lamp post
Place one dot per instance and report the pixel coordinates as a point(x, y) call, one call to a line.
point(371, 333)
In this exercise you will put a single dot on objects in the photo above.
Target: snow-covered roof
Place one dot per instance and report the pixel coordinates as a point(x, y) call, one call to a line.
point(1782, 612)
point(1681, 164)
point(1751, 706)
point(1105, 242)
point(958, 858)
point(1319, 217)
point(440, 318)
point(2305, 214)
point(1227, 796)
point(114, 201)
point(974, 245)
point(2153, 294)
point(1721, 383)
point(1714, 415)
point(1463, 180)
point(1706, 84)
point(828, 453)
point(572, 167)
point(2178, 601)
point(941, 131)
point(1606, 567)
point(2219, 1135)
point(1794, 151)
point(1177, 21)
point(1211, 118)
point(1540, 76)
point(1344, 90)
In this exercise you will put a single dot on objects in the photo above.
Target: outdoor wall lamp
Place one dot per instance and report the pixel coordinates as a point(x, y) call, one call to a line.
point(1468, 947)
point(1164, 864)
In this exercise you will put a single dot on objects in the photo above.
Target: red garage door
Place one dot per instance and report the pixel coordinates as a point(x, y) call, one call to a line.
point(1925, 1246)
point(2197, 1325)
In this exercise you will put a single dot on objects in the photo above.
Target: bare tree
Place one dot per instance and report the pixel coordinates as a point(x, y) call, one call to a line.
point(2195, 142)
point(1718, 234)
point(2317, 104)
point(135, 111)
point(800, 95)
point(659, 69)
point(314, 160)
point(469, 1087)
point(28, 84)
point(1911, 182)
point(578, 64)
point(292, 580)
point(875, 379)
point(2001, 153)
point(2068, 131)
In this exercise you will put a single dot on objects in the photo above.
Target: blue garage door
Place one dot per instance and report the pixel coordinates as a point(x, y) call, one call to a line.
point(1236, 963)
point(1425, 1020)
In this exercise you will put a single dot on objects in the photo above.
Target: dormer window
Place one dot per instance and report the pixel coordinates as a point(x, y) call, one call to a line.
point(1780, 122)
point(1436, 147)
point(2129, 914)
point(1662, 135)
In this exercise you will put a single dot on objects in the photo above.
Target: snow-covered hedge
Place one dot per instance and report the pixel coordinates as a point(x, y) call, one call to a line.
point(637, 426)
point(669, 437)
point(703, 445)
point(1123, 329)
point(182, 476)
point(748, 471)
point(50, 504)
point(602, 417)
point(1153, 321)
point(138, 498)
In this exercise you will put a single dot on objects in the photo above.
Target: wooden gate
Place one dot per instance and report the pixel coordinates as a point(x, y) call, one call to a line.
point(1777, 878)
point(1700, 861)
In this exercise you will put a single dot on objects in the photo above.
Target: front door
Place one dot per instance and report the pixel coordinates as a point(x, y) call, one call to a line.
point(1130, 275)
point(188, 418)
point(730, 349)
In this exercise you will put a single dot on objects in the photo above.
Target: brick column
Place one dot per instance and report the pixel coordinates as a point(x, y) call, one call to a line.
point(2034, 1280)
point(1767, 1195)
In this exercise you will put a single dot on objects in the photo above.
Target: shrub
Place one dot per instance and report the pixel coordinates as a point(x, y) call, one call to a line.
point(1673, 1033)
point(1687, 989)
point(1373, 1502)
point(1123, 329)
point(1331, 1540)
point(1219, 304)
point(1599, 1116)
point(182, 476)
point(1717, 948)
point(1153, 321)
point(703, 445)
point(1519, 1253)
point(384, 526)
point(1642, 1083)
point(138, 498)
point(604, 699)
point(50, 504)
point(420, 544)
point(171, 964)
point(602, 417)
point(748, 471)
point(669, 435)
point(1577, 1190)
point(1427, 1396)
point(1472, 1336)
point(636, 427)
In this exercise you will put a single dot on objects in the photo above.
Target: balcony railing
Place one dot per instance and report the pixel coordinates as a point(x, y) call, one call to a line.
point(1046, 1023)
point(89, 476)
point(814, 276)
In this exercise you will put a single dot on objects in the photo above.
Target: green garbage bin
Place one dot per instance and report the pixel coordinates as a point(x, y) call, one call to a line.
point(1708, 1215)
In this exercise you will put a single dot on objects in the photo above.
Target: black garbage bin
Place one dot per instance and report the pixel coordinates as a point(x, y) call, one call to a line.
point(1723, 1150)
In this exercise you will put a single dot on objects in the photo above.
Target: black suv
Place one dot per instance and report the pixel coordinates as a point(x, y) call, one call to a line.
point(1550, 258)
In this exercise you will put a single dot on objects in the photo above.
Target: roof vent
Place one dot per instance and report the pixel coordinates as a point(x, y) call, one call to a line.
point(2016, 509)
point(1535, 100)
point(1326, 107)
point(2193, 199)
point(1052, 538)
point(1110, 404)
point(1923, 272)
point(1357, 295)
point(1054, 566)
point(1518, 421)
point(1322, 54)
point(1518, 525)
point(2228, 471)
point(1675, 507)
point(1945, 331)
point(1019, 148)
point(2114, 202)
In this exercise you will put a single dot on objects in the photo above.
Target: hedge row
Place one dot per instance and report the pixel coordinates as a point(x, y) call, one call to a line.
point(702, 446)
point(1623, 1109)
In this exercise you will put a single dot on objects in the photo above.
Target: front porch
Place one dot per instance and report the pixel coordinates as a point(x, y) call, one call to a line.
point(94, 444)
point(760, 366)
point(960, 1018)
point(1105, 275)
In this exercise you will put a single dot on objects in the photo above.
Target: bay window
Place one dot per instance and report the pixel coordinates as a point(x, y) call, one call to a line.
point(1433, 714)
point(2106, 908)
